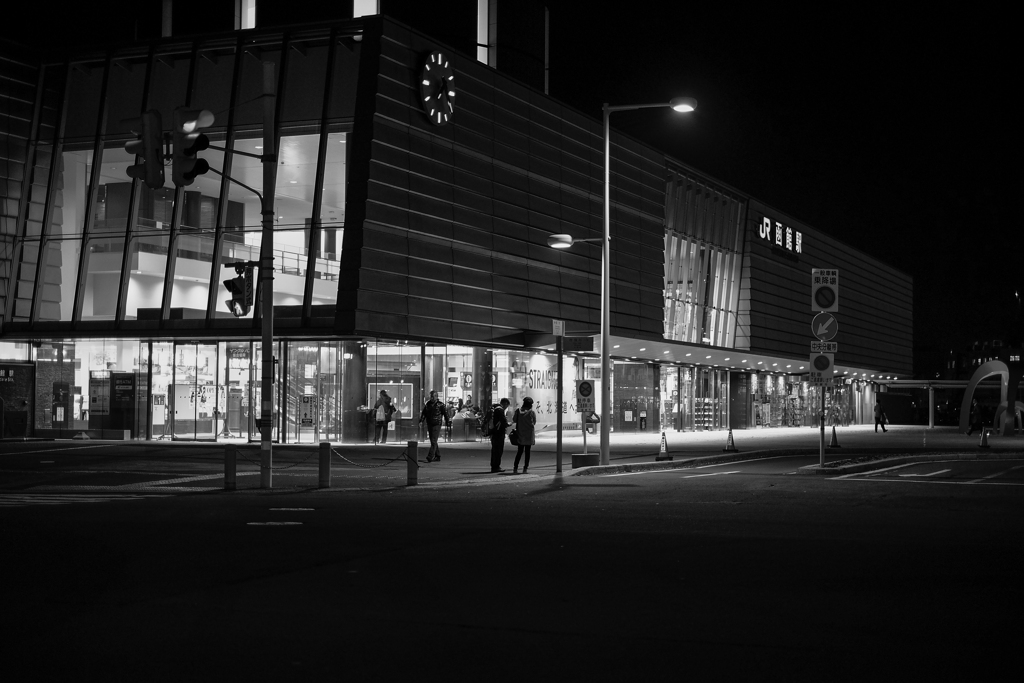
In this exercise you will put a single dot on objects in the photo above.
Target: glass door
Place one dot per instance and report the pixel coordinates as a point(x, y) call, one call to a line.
point(193, 392)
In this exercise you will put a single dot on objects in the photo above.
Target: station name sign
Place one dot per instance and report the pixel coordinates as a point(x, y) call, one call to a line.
point(781, 237)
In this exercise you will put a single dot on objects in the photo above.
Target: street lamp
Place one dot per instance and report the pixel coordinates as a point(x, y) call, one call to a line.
point(564, 241)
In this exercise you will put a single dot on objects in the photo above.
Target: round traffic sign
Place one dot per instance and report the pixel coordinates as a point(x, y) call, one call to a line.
point(824, 326)
point(821, 363)
point(824, 297)
point(585, 389)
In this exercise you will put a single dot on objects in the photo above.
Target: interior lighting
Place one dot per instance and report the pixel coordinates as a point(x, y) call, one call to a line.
point(758, 362)
point(616, 346)
point(707, 356)
point(744, 360)
point(789, 366)
point(774, 364)
point(644, 349)
point(726, 359)
point(664, 351)
point(688, 355)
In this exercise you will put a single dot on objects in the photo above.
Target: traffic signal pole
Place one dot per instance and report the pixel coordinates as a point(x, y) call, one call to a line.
point(267, 278)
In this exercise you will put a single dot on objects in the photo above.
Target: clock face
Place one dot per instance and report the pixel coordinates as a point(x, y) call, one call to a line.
point(437, 88)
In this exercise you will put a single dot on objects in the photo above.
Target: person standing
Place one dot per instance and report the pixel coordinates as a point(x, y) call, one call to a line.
point(383, 409)
point(879, 416)
point(498, 434)
point(524, 422)
point(433, 414)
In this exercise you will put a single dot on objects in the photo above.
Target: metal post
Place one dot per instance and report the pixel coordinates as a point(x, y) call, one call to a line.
point(931, 407)
point(821, 420)
point(558, 402)
point(267, 278)
point(325, 465)
point(606, 283)
point(229, 467)
point(412, 466)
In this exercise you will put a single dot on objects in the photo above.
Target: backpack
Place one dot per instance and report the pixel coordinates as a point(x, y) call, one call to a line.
point(488, 422)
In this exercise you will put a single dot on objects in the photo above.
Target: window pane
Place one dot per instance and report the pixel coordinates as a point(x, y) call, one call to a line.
point(84, 101)
point(114, 193)
point(146, 279)
point(304, 86)
point(192, 274)
point(296, 177)
point(289, 266)
point(102, 278)
point(58, 297)
point(69, 194)
point(202, 197)
point(243, 205)
point(124, 94)
point(250, 108)
point(212, 91)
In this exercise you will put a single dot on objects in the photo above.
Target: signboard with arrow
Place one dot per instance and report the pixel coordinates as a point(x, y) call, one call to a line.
point(824, 326)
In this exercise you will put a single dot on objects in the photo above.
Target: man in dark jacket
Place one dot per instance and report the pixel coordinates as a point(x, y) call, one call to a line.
point(433, 414)
point(498, 434)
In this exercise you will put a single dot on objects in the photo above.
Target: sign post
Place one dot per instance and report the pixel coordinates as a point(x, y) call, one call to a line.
point(824, 326)
point(558, 328)
point(585, 406)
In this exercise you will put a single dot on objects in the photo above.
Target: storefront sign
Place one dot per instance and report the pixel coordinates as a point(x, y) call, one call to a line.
point(307, 411)
point(781, 237)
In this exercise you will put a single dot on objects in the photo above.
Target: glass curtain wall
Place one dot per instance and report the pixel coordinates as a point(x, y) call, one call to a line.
point(703, 250)
point(110, 240)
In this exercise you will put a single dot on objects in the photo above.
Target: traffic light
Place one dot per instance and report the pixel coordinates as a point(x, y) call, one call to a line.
point(149, 132)
point(188, 142)
point(240, 289)
point(236, 304)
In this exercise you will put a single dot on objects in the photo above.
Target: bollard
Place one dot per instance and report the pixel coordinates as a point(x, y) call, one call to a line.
point(229, 467)
point(325, 464)
point(412, 466)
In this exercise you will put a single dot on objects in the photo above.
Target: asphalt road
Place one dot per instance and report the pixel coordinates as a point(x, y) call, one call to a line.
point(741, 571)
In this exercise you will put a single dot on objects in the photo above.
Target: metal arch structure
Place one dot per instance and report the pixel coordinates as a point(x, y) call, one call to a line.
point(1010, 380)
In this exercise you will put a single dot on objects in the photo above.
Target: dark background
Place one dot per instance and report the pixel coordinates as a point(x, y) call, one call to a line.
point(888, 128)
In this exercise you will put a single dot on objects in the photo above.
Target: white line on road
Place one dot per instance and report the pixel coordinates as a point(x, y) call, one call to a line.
point(997, 474)
point(709, 474)
point(930, 474)
point(738, 462)
point(629, 474)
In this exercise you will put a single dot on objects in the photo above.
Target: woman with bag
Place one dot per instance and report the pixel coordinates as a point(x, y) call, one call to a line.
point(523, 424)
point(383, 409)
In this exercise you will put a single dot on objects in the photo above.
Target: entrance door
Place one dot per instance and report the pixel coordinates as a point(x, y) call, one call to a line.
point(193, 392)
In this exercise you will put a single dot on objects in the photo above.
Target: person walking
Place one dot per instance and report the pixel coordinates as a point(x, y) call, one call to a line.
point(433, 414)
point(524, 421)
point(880, 417)
point(498, 434)
point(383, 409)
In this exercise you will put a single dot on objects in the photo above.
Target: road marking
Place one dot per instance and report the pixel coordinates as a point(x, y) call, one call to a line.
point(930, 474)
point(710, 474)
point(739, 462)
point(292, 509)
point(24, 500)
point(274, 523)
point(629, 474)
point(997, 474)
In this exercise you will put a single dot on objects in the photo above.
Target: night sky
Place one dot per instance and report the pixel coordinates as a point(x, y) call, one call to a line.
point(886, 128)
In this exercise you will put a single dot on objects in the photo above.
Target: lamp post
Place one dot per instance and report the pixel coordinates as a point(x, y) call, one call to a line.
point(563, 241)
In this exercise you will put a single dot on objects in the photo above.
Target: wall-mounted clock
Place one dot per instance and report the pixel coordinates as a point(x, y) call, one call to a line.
point(437, 88)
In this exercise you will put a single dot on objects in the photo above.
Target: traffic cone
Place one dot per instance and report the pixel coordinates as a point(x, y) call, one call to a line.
point(984, 438)
point(730, 445)
point(663, 451)
point(835, 442)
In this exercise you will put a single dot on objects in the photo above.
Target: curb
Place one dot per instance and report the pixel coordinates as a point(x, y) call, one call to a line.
point(688, 463)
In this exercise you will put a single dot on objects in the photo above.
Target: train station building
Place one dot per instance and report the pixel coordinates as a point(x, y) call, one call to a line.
point(410, 254)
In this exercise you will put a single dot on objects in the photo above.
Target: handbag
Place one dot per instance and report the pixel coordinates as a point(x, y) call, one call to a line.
point(513, 436)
